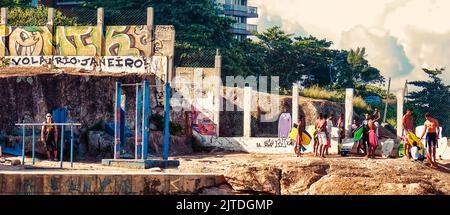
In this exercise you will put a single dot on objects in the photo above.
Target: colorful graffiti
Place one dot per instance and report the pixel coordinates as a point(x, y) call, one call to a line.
point(78, 41)
point(203, 121)
point(128, 40)
point(30, 41)
point(4, 31)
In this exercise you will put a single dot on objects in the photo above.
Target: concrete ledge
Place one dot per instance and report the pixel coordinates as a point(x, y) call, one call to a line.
point(140, 164)
point(12, 183)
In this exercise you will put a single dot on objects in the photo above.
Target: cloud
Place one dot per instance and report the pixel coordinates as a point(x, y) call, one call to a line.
point(401, 36)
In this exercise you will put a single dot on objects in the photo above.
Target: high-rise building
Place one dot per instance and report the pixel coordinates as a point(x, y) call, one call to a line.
point(239, 11)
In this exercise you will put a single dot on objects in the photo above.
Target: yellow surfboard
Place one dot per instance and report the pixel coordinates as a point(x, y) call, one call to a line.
point(293, 134)
point(306, 138)
point(411, 138)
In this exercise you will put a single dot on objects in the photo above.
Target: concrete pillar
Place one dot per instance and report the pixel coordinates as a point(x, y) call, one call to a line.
point(294, 104)
point(400, 101)
point(217, 96)
point(4, 29)
point(51, 25)
point(348, 111)
point(247, 111)
point(100, 23)
point(150, 28)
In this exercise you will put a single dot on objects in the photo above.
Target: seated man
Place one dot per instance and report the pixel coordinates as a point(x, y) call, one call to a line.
point(415, 155)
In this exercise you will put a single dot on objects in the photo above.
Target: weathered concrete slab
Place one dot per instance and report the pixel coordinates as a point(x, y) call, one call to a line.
point(140, 164)
point(67, 183)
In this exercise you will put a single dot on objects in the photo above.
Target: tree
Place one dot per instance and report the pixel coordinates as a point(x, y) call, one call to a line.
point(36, 16)
point(434, 97)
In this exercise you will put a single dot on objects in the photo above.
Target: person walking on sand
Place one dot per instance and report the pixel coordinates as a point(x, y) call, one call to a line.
point(316, 138)
point(431, 129)
point(330, 124)
point(408, 126)
point(321, 131)
point(373, 137)
point(49, 137)
point(298, 140)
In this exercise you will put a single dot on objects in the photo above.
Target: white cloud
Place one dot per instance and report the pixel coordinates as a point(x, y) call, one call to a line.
point(400, 36)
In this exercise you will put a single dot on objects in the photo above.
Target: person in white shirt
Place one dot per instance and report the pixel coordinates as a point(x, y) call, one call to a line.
point(330, 125)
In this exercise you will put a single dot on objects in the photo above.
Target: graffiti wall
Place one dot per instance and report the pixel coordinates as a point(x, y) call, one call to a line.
point(123, 49)
point(4, 31)
point(78, 41)
point(29, 41)
point(128, 40)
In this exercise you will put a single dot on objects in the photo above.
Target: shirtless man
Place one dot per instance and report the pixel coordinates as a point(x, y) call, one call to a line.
point(408, 126)
point(321, 132)
point(373, 137)
point(432, 131)
point(316, 140)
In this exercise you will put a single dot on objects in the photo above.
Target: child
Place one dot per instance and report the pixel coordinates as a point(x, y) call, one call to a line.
point(415, 152)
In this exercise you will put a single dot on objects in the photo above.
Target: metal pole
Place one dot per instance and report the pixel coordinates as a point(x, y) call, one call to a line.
point(138, 136)
point(23, 145)
point(117, 122)
point(62, 145)
point(145, 119)
point(387, 98)
point(34, 145)
point(71, 146)
point(166, 122)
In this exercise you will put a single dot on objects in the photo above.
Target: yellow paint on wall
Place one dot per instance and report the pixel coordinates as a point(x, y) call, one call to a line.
point(78, 41)
point(132, 40)
point(30, 41)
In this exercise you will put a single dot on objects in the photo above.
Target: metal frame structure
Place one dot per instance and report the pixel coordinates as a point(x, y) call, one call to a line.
point(142, 129)
point(142, 117)
point(33, 125)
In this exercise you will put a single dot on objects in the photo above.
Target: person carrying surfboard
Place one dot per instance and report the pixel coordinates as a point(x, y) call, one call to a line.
point(431, 129)
point(298, 140)
point(408, 126)
point(373, 137)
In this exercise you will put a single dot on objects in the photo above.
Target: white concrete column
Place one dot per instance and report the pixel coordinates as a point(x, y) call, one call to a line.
point(150, 18)
point(217, 97)
point(400, 101)
point(348, 111)
point(247, 111)
point(294, 104)
point(100, 23)
point(3, 22)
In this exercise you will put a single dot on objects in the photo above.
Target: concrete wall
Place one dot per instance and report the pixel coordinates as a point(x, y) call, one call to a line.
point(39, 183)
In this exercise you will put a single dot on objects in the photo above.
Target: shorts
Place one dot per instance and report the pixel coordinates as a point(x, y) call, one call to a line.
point(50, 145)
point(431, 139)
point(322, 137)
point(373, 139)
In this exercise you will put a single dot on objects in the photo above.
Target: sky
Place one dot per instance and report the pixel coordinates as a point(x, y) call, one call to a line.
point(401, 36)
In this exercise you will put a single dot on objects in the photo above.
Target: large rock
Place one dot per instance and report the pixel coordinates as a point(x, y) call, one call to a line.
point(100, 142)
point(296, 179)
point(258, 178)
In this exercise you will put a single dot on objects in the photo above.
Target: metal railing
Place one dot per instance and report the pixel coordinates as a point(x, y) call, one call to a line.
point(244, 26)
point(33, 125)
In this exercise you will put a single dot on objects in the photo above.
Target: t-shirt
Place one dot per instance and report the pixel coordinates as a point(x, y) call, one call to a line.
point(329, 126)
point(415, 153)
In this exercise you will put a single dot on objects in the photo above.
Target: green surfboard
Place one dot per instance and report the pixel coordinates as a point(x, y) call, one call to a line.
point(358, 134)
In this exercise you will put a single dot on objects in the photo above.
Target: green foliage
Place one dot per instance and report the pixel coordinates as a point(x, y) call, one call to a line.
point(434, 97)
point(365, 90)
point(158, 121)
point(31, 16)
point(276, 53)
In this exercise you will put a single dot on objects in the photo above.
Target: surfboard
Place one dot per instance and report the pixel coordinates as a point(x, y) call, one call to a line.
point(293, 134)
point(411, 138)
point(306, 138)
point(284, 125)
point(358, 134)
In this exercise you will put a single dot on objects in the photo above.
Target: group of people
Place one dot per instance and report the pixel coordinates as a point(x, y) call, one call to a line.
point(369, 141)
point(322, 134)
point(412, 148)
